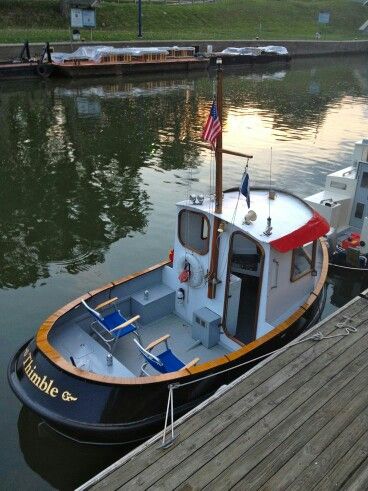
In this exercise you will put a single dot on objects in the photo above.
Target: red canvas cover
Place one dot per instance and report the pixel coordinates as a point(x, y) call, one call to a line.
point(316, 227)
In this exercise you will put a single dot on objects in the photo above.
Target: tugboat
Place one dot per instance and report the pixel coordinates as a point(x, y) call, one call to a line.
point(245, 276)
point(343, 203)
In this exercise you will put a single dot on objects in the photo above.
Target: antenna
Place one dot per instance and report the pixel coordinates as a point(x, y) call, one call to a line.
point(271, 195)
point(269, 189)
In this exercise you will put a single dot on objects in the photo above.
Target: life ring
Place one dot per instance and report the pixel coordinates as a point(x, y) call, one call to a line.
point(190, 263)
point(43, 71)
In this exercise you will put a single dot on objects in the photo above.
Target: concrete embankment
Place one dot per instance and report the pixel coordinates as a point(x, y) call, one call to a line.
point(295, 48)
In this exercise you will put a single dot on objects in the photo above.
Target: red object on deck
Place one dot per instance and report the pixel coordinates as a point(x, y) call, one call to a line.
point(184, 276)
point(316, 227)
point(171, 255)
point(352, 241)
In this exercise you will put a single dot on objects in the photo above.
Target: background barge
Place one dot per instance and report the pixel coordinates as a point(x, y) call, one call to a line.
point(106, 61)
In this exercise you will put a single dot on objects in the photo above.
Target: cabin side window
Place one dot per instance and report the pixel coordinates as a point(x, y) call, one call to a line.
point(194, 231)
point(364, 181)
point(303, 261)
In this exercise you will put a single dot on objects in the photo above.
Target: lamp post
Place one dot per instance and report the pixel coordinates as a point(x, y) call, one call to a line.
point(139, 18)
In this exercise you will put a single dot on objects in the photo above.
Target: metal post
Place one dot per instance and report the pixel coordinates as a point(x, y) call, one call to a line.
point(28, 53)
point(139, 18)
point(166, 443)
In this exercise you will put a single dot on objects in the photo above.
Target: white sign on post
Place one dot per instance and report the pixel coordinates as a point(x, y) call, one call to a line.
point(89, 18)
point(76, 18)
point(82, 18)
point(324, 17)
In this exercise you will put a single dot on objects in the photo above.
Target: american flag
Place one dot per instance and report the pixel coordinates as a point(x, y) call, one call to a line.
point(212, 128)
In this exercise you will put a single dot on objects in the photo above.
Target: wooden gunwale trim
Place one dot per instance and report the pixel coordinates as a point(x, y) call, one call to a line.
point(57, 359)
point(101, 289)
point(125, 279)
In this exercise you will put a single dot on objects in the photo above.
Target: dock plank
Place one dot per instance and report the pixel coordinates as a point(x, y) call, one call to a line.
point(252, 447)
point(316, 464)
point(214, 436)
point(303, 446)
point(257, 387)
point(305, 404)
point(359, 480)
point(336, 476)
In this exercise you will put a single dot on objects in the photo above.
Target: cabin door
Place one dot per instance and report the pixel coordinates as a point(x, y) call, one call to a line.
point(243, 288)
point(360, 205)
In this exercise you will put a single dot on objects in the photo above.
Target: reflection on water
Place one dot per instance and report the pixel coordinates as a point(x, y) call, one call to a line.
point(343, 287)
point(74, 186)
point(90, 172)
point(67, 463)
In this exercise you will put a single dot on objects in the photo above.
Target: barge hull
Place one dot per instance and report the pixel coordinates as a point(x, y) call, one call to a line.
point(248, 59)
point(14, 71)
point(118, 69)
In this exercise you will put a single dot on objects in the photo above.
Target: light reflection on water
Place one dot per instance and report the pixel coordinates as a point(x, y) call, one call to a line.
point(90, 174)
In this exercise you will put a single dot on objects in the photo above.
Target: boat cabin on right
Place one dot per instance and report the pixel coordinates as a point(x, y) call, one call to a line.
point(344, 204)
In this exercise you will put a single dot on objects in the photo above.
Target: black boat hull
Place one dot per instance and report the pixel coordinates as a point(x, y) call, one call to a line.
point(104, 413)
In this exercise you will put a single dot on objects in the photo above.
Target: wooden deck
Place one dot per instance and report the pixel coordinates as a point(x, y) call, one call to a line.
point(299, 420)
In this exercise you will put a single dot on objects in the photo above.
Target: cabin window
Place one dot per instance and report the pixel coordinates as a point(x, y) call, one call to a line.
point(359, 210)
point(364, 181)
point(194, 231)
point(303, 261)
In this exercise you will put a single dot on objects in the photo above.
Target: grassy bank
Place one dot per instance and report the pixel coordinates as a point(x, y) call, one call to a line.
point(40, 20)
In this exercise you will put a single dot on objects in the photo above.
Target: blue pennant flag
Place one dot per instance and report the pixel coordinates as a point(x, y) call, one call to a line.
point(244, 188)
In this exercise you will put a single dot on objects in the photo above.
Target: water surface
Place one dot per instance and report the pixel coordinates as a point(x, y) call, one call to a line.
point(90, 172)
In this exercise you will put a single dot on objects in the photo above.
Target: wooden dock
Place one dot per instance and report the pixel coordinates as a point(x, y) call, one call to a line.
point(299, 420)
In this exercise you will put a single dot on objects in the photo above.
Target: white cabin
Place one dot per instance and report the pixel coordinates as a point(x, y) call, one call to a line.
point(258, 286)
point(267, 276)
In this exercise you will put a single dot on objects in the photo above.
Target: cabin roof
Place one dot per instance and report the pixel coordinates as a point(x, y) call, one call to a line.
point(288, 212)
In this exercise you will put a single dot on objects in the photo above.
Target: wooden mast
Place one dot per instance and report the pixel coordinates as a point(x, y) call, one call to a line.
point(212, 276)
point(218, 152)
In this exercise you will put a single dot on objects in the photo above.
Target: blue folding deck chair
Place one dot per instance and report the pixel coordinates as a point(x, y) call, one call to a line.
point(113, 326)
point(164, 362)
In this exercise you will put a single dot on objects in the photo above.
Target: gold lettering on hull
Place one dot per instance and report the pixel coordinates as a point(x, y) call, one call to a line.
point(44, 384)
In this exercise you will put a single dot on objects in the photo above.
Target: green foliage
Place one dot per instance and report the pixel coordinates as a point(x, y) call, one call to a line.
point(40, 20)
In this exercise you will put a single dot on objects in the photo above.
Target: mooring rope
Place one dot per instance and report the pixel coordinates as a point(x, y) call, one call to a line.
point(349, 268)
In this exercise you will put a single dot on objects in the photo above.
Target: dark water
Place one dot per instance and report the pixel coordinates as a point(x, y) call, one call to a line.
point(89, 175)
